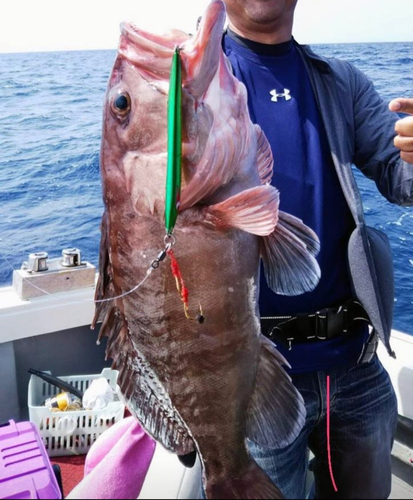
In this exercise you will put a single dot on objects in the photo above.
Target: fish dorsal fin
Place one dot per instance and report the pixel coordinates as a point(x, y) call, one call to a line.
point(147, 399)
point(265, 159)
point(254, 210)
point(141, 388)
point(276, 413)
point(288, 257)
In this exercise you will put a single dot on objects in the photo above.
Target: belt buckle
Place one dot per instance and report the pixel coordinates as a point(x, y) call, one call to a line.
point(369, 349)
point(331, 322)
point(321, 324)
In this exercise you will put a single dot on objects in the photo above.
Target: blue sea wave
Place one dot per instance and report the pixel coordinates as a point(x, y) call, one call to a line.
point(50, 122)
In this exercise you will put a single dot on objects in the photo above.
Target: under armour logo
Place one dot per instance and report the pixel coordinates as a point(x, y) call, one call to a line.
point(275, 95)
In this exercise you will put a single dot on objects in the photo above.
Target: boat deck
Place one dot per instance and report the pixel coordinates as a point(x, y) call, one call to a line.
point(401, 489)
point(402, 461)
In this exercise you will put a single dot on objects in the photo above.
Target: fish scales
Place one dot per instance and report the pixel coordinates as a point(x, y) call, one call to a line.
point(204, 386)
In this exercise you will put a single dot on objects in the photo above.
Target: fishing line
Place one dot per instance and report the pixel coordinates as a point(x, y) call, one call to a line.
point(148, 273)
point(154, 265)
point(330, 463)
point(25, 279)
point(183, 291)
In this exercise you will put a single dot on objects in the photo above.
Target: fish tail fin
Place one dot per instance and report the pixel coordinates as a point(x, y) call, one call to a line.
point(252, 482)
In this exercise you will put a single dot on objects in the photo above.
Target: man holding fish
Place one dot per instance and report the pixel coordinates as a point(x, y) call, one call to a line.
point(320, 117)
point(178, 295)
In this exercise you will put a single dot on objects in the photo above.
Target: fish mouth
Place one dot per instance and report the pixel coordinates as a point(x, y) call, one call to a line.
point(150, 52)
point(153, 53)
point(166, 42)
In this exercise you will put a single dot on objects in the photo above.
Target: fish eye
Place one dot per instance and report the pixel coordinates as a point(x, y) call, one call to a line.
point(121, 104)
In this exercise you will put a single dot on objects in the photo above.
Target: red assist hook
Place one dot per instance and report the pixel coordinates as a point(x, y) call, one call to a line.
point(182, 289)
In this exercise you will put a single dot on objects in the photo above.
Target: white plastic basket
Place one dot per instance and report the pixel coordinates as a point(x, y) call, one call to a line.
point(74, 432)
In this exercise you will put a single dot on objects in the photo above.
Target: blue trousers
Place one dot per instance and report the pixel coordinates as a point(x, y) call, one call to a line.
point(363, 423)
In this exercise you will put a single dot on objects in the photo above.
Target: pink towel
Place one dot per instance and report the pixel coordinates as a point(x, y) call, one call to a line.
point(117, 463)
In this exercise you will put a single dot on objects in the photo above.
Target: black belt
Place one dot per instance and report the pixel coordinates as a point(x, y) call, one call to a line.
point(321, 325)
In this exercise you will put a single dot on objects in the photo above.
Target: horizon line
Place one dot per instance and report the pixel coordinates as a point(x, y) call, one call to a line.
point(36, 51)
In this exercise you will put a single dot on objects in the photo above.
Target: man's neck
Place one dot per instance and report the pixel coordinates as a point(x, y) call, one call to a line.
point(281, 35)
point(262, 49)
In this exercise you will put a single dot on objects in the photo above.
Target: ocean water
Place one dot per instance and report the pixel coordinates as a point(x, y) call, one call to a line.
point(50, 130)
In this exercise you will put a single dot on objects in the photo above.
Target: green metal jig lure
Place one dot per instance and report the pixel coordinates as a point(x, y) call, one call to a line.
point(174, 166)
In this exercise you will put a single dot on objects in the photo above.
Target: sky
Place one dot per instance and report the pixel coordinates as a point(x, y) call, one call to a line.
point(47, 25)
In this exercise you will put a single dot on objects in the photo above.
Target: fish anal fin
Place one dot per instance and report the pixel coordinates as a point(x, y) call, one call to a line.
point(254, 210)
point(276, 413)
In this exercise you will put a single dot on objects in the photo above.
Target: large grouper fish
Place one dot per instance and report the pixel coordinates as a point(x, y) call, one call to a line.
point(210, 384)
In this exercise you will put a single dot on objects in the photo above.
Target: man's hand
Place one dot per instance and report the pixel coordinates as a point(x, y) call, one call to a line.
point(404, 128)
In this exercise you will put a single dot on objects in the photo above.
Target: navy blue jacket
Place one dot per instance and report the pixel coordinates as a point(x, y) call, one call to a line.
point(360, 131)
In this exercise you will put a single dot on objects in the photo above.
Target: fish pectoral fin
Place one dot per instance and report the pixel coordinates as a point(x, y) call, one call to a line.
point(288, 256)
point(254, 210)
point(265, 159)
point(276, 413)
point(301, 231)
